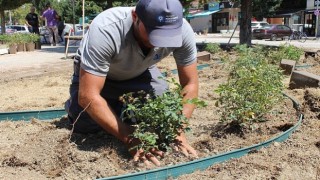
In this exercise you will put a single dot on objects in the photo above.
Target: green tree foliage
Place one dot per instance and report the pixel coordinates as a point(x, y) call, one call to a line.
point(18, 15)
point(264, 8)
point(296, 4)
point(11, 4)
point(67, 10)
point(8, 5)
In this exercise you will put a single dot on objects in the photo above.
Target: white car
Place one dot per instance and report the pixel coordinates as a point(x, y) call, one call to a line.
point(258, 24)
point(19, 28)
point(68, 27)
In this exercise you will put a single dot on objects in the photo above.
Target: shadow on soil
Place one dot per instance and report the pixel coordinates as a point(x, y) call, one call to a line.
point(59, 49)
point(99, 141)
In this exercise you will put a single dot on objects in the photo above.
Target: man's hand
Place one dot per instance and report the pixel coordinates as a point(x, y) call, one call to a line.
point(146, 158)
point(182, 145)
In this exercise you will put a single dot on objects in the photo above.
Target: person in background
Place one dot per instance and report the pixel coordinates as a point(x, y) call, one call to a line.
point(117, 55)
point(32, 21)
point(50, 15)
point(60, 28)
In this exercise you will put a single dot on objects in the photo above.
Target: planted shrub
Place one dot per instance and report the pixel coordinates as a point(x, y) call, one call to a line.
point(213, 48)
point(3, 38)
point(158, 119)
point(253, 88)
point(285, 52)
point(241, 48)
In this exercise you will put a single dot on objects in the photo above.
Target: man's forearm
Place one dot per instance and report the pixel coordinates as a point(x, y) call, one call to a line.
point(100, 111)
point(190, 91)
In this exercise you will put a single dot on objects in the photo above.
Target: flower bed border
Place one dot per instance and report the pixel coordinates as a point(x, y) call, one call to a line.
point(170, 171)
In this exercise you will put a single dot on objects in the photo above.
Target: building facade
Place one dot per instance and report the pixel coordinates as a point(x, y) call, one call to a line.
point(214, 17)
point(311, 18)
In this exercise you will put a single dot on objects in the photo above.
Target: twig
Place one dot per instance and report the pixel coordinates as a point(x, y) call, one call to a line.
point(72, 129)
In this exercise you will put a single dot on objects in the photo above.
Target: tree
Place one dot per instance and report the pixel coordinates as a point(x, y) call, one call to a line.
point(264, 8)
point(245, 22)
point(296, 4)
point(8, 5)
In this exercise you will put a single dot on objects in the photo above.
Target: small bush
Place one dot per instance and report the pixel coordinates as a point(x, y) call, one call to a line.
point(159, 120)
point(241, 49)
point(253, 88)
point(285, 52)
point(213, 48)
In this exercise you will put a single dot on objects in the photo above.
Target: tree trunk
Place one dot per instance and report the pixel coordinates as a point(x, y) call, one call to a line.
point(3, 23)
point(245, 22)
point(109, 4)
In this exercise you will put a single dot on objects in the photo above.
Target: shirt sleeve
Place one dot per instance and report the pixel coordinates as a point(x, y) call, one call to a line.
point(187, 53)
point(98, 47)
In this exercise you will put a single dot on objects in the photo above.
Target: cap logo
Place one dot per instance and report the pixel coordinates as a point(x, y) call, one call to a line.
point(171, 18)
point(160, 19)
point(156, 57)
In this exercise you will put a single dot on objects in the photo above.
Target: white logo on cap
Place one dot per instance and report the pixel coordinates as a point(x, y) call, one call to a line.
point(160, 18)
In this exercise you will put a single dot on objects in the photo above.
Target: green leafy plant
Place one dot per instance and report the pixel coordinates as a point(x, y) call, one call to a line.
point(213, 48)
point(253, 88)
point(4, 38)
point(241, 48)
point(34, 37)
point(285, 52)
point(158, 119)
point(31, 38)
point(11, 40)
point(19, 38)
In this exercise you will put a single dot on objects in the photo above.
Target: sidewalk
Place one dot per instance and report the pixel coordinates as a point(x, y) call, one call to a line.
point(35, 59)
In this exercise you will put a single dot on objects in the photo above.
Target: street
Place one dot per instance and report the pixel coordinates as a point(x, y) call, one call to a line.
point(310, 44)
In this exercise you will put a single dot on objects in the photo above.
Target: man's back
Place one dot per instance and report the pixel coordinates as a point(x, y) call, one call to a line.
point(32, 19)
point(114, 49)
point(50, 15)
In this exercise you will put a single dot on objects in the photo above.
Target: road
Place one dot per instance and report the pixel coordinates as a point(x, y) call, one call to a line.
point(310, 44)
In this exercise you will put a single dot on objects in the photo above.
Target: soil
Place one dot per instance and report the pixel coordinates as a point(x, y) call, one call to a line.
point(47, 150)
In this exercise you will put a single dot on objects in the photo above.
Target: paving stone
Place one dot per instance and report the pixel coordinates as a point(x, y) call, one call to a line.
point(303, 79)
point(287, 66)
point(204, 56)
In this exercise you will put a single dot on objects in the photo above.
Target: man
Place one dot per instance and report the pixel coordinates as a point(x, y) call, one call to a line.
point(60, 26)
point(50, 15)
point(32, 21)
point(118, 55)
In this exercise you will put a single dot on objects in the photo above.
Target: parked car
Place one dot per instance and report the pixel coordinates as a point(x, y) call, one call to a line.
point(9, 30)
point(272, 32)
point(19, 28)
point(258, 24)
point(44, 35)
point(76, 31)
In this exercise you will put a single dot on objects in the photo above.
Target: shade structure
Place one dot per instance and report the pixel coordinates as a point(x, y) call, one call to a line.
point(197, 14)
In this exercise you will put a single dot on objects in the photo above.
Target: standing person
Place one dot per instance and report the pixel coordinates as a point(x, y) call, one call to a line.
point(32, 21)
point(61, 26)
point(118, 55)
point(50, 15)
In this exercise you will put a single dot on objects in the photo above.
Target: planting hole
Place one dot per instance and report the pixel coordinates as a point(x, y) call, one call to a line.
point(284, 127)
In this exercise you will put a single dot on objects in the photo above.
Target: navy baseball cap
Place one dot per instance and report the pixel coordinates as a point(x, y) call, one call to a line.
point(163, 21)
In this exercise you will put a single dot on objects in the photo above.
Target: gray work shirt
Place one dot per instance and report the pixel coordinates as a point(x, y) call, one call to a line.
point(110, 49)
